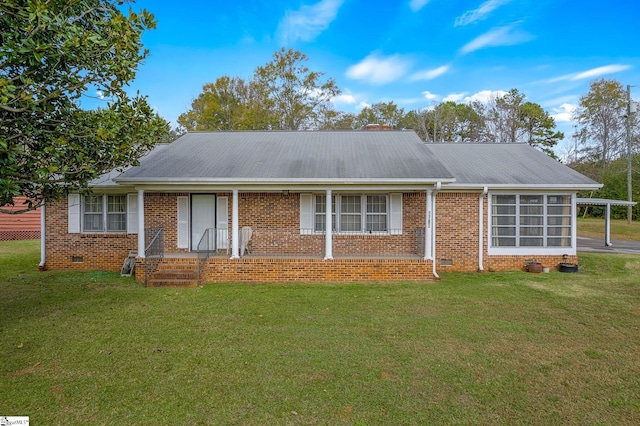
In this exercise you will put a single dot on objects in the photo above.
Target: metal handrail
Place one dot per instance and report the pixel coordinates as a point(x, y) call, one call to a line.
point(204, 250)
point(154, 251)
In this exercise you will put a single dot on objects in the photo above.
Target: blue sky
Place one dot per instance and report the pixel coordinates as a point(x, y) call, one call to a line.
point(413, 52)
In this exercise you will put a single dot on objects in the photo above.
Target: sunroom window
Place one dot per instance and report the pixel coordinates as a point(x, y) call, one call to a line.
point(531, 220)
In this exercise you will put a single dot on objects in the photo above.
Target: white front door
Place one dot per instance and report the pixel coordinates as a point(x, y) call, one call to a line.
point(203, 216)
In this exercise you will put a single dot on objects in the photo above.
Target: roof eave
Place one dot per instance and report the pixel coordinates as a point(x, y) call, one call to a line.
point(270, 181)
point(532, 186)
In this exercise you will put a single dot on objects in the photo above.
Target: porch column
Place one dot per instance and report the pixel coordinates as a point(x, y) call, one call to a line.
point(234, 226)
point(141, 246)
point(427, 228)
point(328, 240)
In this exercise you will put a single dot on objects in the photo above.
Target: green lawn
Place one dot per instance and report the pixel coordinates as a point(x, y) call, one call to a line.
point(620, 229)
point(495, 348)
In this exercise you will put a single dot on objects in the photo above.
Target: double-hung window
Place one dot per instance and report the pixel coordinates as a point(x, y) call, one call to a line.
point(531, 221)
point(321, 213)
point(353, 213)
point(104, 213)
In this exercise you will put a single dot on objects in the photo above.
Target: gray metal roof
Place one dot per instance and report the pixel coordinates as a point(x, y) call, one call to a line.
point(106, 180)
point(506, 165)
point(290, 156)
point(347, 156)
point(603, 202)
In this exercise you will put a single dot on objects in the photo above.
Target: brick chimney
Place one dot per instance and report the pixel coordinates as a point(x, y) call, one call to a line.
point(377, 127)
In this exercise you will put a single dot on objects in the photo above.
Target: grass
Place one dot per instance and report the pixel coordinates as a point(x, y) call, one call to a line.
point(620, 229)
point(494, 348)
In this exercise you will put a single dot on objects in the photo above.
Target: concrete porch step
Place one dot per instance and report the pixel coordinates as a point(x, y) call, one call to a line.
point(165, 277)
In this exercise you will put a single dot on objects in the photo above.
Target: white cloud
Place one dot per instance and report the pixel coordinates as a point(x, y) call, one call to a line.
point(453, 97)
point(563, 113)
point(416, 5)
point(430, 96)
point(344, 99)
point(308, 22)
point(379, 69)
point(430, 74)
point(480, 13)
point(100, 94)
point(363, 105)
point(500, 36)
point(594, 72)
point(485, 96)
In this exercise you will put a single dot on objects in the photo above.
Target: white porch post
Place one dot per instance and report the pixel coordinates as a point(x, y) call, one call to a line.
point(141, 246)
point(427, 228)
point(234, 226)
point(328, 240)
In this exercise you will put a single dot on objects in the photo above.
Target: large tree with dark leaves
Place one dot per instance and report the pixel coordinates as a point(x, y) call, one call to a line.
point(52, 55)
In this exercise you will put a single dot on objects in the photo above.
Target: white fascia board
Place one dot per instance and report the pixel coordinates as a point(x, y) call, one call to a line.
point(523, 187)
point(179, 181)
point(280, 188)
point(280, 185)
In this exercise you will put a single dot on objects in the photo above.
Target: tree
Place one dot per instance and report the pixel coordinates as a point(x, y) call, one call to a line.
point(601, 128)
point(538, 128)
point(51, 55)
point(381, 113)
point(458, 123)
point(227, 104)
point(294, 92)
point(503, 116)
point(447, 122)
point(510, 119)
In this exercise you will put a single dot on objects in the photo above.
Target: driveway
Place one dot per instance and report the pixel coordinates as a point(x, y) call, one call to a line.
point(596, 245)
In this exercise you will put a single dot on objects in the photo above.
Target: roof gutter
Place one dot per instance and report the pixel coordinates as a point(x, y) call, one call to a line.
point(526, 186)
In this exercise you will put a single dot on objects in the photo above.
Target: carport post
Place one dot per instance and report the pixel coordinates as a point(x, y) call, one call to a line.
point(607, 226)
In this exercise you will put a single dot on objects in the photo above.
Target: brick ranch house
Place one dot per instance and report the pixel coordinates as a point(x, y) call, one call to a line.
point(253, 207)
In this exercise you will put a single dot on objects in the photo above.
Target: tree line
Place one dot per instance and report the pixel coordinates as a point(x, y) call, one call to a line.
point(54, 54)
point(285, 94)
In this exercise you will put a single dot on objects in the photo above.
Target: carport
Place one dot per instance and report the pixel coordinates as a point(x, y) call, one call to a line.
point(607, 218)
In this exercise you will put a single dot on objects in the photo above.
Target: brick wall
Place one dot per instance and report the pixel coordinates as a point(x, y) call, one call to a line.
point(456, 241)
point(82, 251)
point(161, 211)
point(457, 231)
point(457, 238)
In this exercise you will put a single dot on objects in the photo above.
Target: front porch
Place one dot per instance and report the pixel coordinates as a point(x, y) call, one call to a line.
point(286, 255)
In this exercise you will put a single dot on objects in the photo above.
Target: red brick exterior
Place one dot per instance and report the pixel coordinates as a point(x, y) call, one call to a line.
point(82, 251)
point(280, 253)
point(457, 238)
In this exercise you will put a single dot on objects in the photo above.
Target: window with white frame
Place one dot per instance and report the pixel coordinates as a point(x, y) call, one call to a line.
point(531, 221)
point(104, 213)
point(353, 213)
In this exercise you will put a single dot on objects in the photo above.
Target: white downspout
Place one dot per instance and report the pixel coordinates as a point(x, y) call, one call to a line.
point(43, 253)
point(427, 227)
point(485, 190)
point(433, 228)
